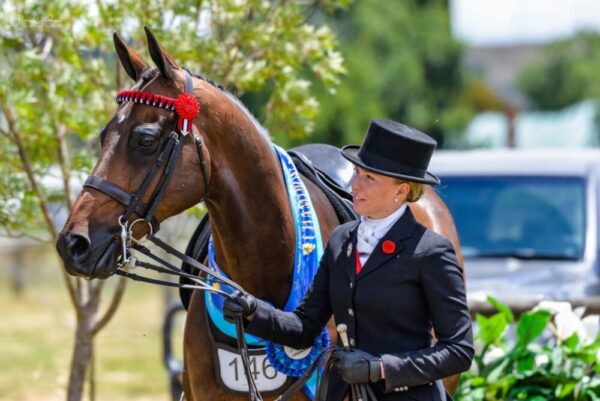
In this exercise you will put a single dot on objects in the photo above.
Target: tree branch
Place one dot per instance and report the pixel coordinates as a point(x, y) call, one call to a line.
point(10, 234)
point(198, 13)
point(27, 167)
point(112, 308)
point(65, 163)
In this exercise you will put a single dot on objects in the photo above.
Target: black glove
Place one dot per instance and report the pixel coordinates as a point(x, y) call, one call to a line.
point(356, 366)
point(243, 305)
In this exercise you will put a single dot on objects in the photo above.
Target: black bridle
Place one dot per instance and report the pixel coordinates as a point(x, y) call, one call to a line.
point(168, 157)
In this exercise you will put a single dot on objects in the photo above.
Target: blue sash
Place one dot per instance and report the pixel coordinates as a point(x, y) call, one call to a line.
point(309, 249)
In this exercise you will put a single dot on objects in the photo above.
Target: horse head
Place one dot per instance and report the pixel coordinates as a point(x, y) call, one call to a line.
point(145, 153)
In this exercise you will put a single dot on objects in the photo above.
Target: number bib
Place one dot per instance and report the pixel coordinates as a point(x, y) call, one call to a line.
point(231, 376)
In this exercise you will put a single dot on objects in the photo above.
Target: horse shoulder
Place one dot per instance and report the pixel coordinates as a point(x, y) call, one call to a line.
point(432, 212)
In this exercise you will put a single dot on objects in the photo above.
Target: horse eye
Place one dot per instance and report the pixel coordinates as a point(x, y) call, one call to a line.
point(147, 140)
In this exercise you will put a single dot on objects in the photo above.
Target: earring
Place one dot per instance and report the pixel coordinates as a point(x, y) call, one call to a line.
point(396, 200)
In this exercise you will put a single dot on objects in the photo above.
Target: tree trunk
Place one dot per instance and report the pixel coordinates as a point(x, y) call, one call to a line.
point(83, 349)
point(82, 356)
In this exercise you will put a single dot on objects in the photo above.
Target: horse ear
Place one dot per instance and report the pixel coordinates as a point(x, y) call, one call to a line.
point(161, 58)
point(132, 62)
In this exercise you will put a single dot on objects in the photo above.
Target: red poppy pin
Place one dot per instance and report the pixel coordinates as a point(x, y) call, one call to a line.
point(388, 247)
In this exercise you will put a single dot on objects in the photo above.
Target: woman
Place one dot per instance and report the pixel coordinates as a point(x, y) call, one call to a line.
point(387, 277)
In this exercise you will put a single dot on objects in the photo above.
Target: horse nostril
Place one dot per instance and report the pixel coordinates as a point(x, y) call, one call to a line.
point(78, 246)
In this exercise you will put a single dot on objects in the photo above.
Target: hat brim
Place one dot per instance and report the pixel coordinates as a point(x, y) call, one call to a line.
point(350, 153)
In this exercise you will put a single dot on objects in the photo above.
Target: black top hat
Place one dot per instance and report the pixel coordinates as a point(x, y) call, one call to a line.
point(394, 150)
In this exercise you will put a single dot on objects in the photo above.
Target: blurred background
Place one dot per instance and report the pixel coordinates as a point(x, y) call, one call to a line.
point(508, 88)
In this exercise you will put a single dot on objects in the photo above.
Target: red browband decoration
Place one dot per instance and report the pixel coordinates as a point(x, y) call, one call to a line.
point(185, 105)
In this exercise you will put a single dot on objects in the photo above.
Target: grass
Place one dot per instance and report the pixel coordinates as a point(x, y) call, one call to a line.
point(36, 338)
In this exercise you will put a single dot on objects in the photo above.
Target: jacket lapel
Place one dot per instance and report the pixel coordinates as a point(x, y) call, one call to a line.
point(401, 230)
point(348, 251)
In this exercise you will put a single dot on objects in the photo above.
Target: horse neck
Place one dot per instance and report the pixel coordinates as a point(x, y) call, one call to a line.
point(251, 218)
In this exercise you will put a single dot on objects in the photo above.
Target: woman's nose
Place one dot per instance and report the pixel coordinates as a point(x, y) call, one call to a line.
point(355, 183)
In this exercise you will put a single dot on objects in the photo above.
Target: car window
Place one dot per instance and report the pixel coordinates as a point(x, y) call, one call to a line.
point(521, 216)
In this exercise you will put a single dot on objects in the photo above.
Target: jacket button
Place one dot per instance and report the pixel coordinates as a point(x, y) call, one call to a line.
point(352, 342)
point(350, 312)
point(351, 284)
point(397, 389)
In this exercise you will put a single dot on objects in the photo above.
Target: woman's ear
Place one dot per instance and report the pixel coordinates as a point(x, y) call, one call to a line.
point(403, 189)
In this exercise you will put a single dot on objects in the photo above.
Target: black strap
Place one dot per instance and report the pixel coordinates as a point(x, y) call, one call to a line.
point(165, 155)
point(166, 177)
point(194, 263)
point(118, 194)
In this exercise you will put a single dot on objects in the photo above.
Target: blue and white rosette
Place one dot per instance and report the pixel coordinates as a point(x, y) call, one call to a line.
point(292, 362)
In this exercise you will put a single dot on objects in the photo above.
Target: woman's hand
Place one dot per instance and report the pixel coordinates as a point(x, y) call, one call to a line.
point(357, 367)
point(243, 305)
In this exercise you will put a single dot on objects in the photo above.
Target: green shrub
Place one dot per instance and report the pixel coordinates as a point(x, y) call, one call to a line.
point(552, 355)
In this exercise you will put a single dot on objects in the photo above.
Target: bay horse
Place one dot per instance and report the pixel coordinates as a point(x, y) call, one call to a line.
point(234, 171)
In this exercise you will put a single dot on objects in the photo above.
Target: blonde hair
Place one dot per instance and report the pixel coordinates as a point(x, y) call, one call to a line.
point(416, 190)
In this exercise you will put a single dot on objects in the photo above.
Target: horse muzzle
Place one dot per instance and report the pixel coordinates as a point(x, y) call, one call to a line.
point(84, 259)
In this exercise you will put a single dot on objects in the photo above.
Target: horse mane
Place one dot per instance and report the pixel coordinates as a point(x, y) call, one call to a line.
point(262, 130)
point(151, 73)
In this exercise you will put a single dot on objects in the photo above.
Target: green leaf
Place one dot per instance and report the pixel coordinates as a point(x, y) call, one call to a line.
point(490, 329)
point(531, 325)
point(526, 364)
point(572, 342)
point(593, 394)
point(504, 309)
point(477, 381)
point(478, 394)
point(498, 369)
point(563, 390)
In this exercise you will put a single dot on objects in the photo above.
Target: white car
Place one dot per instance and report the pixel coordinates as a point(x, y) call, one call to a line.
point(527, 222)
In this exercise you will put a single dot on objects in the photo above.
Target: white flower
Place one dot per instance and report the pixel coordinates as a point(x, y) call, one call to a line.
point(591, 324)
point(579, 311)
point(478, 346)
point(541, 359)
point(568, 321)
point(554, 307)
point(566, 324)
point(493, 354)
point(474, 369)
